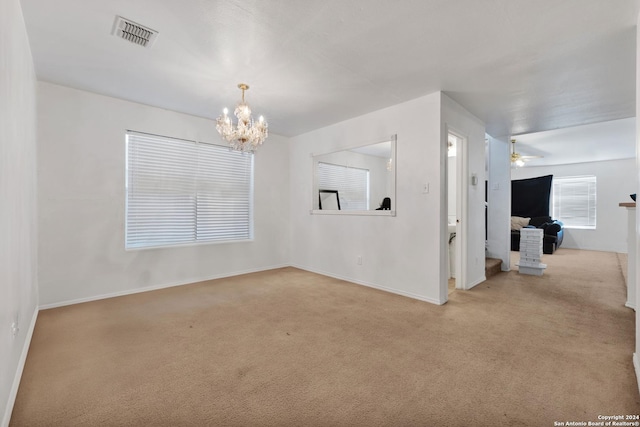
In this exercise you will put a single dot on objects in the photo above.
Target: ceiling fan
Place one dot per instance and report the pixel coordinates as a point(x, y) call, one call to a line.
point(518, 159)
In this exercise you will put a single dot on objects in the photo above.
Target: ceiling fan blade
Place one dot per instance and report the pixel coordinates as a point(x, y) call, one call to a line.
point(517, 159)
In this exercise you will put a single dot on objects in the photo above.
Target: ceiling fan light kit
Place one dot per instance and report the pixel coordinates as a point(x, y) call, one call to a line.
point(517, 159)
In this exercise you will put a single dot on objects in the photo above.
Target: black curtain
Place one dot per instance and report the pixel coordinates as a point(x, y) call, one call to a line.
point(530, 197)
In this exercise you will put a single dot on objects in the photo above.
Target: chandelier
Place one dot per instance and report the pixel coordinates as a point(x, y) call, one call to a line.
point(248, 135)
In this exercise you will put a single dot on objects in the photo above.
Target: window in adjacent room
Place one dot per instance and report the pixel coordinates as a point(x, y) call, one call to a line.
point(574, 201)
point(184, 192)
point(351, 183)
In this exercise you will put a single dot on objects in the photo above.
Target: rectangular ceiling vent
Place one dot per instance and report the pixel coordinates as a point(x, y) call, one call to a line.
point(134, 32)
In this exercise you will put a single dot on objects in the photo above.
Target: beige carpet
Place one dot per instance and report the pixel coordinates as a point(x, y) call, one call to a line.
point(287, 347)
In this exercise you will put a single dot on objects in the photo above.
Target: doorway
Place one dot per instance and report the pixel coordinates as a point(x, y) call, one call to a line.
point(456, 198)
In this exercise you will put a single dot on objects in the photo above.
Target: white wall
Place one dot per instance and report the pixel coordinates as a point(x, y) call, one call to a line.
point(18, 226)
point(499, 200)
point(398, 253)
point(615, 180)
point(401, 254)
point(81, 180)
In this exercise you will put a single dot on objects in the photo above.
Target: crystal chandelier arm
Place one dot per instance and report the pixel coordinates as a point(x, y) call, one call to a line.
point(247, 135)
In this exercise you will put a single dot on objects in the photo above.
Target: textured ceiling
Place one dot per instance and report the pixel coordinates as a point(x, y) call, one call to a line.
point(612, 140)
point(519, 65)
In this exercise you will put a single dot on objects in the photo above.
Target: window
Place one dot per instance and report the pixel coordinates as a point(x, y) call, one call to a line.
point(181, 192)
point(352, 185)
point(574, 201)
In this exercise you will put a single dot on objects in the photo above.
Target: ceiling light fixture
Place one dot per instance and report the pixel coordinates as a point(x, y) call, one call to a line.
point(248, 135)
point(517, 159)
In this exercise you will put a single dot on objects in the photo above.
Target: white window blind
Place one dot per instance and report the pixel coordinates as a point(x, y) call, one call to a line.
point(180, 192)
point(574, 201)
point(352, 185)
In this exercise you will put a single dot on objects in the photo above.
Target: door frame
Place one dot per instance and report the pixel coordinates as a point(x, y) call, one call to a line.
point(462, 199)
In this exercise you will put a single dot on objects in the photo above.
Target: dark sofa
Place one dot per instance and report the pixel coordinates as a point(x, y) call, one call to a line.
point(530, 198)
point(553, 234)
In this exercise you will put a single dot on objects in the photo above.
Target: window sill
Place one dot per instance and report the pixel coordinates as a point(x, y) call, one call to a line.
point(188, 244)
point(352, 213)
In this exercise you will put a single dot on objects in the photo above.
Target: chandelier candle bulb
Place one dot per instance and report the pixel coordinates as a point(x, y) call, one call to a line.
point(247, 135)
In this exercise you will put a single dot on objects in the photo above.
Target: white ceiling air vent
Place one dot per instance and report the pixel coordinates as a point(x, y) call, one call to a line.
point(133, 32)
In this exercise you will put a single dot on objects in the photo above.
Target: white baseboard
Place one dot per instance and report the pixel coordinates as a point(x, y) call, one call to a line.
point(636, 366)
point(18, 376)
point(373, 285)
point(156, 287)
point(476, 283)
point(237, 273)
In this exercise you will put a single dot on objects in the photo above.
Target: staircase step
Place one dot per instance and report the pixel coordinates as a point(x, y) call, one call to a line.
point(492, 267)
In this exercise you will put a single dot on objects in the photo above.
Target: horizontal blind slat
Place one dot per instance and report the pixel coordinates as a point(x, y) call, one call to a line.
point(351, 183)
point(183, 192)
point(574, 201)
